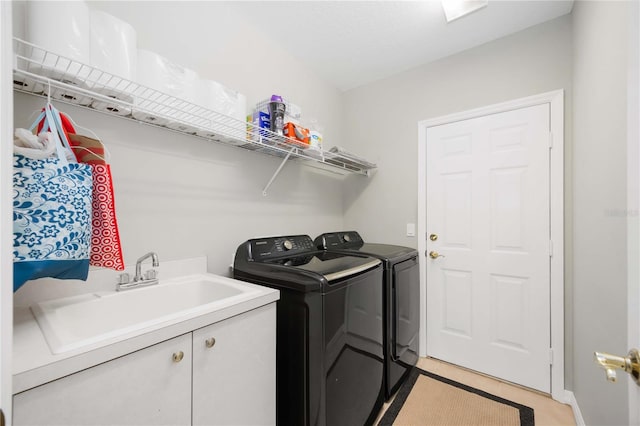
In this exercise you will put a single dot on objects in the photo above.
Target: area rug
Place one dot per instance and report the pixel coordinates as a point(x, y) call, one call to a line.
point(428, 399)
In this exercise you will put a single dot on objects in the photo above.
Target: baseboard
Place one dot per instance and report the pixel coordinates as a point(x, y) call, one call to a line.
point(570, 399)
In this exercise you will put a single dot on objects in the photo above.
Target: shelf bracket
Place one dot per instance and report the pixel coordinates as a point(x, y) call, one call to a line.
point(277, 172)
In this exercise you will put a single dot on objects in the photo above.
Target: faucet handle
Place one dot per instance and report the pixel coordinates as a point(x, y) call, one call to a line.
point(151, 274)
point(124, 278)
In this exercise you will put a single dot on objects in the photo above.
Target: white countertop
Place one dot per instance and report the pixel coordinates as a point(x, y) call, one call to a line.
point(35, 364)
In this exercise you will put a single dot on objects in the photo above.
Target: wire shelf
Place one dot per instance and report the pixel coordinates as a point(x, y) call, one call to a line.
point(44, 73)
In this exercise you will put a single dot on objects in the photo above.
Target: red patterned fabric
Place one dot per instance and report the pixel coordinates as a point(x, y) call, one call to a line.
point(106, 250)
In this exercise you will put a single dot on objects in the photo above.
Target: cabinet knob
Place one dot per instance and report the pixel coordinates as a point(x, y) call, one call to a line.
point(177, 356)
point(210, 342)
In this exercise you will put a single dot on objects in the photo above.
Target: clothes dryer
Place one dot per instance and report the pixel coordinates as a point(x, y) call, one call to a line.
point(401, 283)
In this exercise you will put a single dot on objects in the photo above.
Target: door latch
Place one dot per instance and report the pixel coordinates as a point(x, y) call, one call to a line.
point(434, 254)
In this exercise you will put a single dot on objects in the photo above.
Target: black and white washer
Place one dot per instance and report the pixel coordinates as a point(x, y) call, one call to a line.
point(330, 356)
point(401, 300)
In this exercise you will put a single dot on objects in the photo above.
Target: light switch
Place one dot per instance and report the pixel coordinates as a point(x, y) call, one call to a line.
point(411, 229)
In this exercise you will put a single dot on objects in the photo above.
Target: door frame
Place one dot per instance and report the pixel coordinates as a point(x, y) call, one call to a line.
point(555, 99)
point(633, 202)
point(6, 209)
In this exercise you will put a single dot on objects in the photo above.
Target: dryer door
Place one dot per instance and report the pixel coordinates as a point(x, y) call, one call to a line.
point(405, 315)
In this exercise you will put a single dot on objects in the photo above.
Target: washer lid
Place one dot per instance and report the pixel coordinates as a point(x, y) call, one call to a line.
point(386, 251)
point(332, 266)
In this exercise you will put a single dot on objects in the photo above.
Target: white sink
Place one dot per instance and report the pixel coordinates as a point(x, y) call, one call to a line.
point(73, 322)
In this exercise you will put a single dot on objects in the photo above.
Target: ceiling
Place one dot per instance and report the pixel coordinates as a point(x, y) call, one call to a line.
point(352, 43)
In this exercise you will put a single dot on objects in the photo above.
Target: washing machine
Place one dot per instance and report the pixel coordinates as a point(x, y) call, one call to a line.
point(330, 355)
point(401, 283)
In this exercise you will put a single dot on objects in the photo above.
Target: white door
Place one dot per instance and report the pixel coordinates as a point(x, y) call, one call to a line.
point(488, 210)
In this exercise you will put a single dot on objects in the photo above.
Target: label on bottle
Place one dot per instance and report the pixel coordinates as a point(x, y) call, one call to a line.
point(315, 139)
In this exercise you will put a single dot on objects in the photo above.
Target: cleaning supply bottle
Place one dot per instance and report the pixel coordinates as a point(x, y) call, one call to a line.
point(315, 135)
point(276, 113)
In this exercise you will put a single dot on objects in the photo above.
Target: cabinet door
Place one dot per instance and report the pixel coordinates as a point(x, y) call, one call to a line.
point(234, 377)
point(147, 387)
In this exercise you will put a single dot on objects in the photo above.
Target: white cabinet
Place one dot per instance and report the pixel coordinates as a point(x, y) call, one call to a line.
point(181, 381)
point(234, 371)
point(143, 388)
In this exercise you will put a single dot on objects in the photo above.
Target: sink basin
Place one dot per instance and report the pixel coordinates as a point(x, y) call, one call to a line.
point(73, 322)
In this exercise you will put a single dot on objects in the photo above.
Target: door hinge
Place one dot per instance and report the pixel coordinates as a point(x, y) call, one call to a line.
point(550, 140)
point(550, 248)
point(550, 356)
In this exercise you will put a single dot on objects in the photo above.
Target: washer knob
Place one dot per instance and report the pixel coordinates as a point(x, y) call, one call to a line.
point(346, 238)
point(288, 245)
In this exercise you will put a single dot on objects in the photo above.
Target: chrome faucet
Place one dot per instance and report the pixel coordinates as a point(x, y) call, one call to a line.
point(150, 277)
point(154, 259)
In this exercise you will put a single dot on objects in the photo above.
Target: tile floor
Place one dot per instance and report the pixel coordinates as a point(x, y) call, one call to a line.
point(547, 411)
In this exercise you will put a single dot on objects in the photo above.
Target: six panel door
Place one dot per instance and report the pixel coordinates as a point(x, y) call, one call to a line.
point(488, 203)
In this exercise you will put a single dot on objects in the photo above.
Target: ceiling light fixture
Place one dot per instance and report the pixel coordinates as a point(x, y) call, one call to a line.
point(454, 9)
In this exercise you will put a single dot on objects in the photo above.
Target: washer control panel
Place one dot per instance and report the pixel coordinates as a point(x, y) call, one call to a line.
point(339, 240)
point(268, 248)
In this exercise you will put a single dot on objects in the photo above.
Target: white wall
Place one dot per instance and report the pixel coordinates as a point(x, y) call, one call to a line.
point(182, 196)
point(383, 119)
point(600, 204)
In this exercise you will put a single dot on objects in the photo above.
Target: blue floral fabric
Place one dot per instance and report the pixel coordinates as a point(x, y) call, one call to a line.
point(51, 219)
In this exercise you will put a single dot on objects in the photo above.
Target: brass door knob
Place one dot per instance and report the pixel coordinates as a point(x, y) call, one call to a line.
point(210, 342)
point(433, 237)
point(434, 254)
point(177, 356)
point(611, 363)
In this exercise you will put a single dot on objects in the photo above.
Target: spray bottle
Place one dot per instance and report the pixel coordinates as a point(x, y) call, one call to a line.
point(276, 113)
